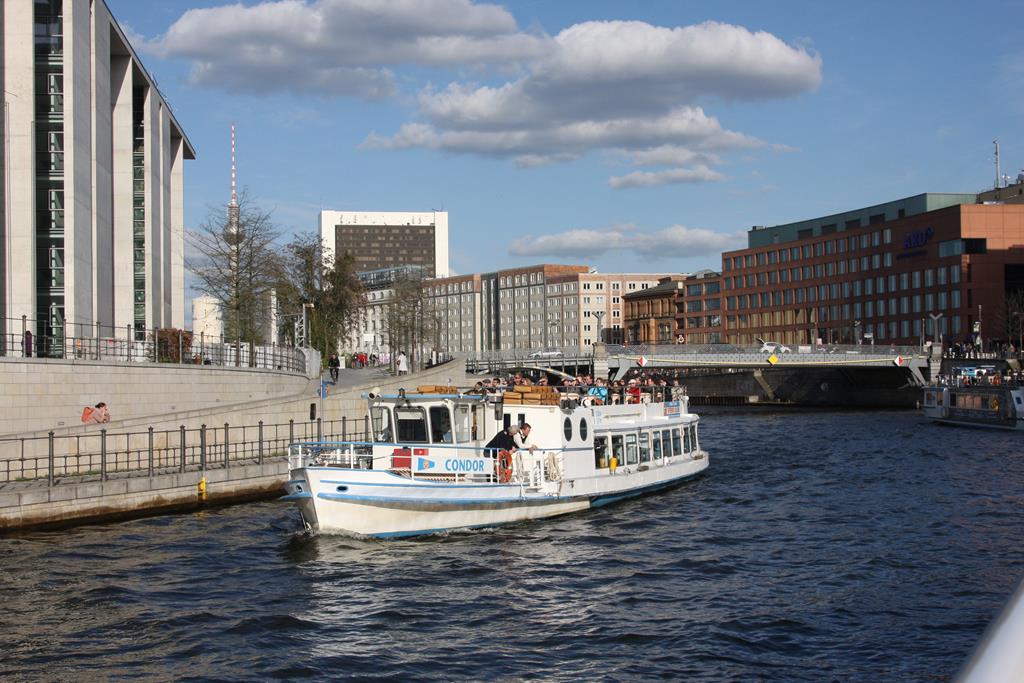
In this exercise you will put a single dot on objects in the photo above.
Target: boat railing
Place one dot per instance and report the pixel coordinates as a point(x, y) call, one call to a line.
point(529, 469)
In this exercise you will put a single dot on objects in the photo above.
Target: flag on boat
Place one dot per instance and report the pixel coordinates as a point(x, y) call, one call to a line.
point(642, 362)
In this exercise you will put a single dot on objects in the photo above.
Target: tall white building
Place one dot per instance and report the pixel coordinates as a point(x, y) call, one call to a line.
point(92, 172)
point(387, 239)
point(207, 317)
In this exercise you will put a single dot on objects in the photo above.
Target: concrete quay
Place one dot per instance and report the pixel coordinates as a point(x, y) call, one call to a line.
point(233, 470)
point(67, 504)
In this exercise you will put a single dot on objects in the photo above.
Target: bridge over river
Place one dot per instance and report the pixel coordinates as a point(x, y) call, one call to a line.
point(820, 375)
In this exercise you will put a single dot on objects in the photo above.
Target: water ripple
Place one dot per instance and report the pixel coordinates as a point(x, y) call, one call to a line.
point(853, 546)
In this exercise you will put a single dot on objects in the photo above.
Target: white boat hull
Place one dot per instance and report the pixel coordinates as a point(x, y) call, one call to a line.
point(380, 504)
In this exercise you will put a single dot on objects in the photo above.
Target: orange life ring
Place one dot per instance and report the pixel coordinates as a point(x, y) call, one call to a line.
point(503, 466)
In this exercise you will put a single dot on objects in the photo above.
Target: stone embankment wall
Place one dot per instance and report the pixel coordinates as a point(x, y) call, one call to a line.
point(44, 394)
point(32, 504)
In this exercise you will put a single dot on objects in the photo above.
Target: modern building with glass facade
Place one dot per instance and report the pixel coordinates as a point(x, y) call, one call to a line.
point(902, 272)
point(92, 176)
point(385, 239)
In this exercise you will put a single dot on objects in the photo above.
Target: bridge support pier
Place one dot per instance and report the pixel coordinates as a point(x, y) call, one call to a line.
point(759, 378)
point(600, 360)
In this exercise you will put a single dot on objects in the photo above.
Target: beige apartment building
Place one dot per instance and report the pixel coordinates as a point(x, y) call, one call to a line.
point(532, 307)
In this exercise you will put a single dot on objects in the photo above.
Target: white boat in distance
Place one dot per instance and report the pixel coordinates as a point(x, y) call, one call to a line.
point(427, 471)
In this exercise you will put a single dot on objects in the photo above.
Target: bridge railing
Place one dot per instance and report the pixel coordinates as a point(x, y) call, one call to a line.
point(567, 355)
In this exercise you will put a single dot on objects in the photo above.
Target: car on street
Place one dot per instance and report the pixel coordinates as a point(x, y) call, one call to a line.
point(547, 353)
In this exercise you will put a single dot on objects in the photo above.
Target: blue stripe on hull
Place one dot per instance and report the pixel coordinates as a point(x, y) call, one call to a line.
point(598, 501)
point(601, 501)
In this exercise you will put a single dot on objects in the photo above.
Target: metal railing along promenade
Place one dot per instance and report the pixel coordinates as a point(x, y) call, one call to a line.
point(127, 345)
point(52, 460)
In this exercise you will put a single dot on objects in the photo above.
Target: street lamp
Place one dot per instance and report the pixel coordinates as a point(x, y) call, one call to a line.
point(935, 328)
point(600, 329)
point(1020, 332)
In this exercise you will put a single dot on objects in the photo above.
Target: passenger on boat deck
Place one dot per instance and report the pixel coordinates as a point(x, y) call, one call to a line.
point(504, 440)
point(522, 439)
point(599, 391)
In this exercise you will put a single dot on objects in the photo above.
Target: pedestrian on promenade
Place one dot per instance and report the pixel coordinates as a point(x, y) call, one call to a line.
point(334, 363)
point(402, 364)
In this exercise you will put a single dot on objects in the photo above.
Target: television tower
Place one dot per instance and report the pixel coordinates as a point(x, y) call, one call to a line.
point(233, 204)
point(998, 179)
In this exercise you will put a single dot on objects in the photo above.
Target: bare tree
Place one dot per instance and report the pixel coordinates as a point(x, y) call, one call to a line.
point(237, 265)
point(408, 320)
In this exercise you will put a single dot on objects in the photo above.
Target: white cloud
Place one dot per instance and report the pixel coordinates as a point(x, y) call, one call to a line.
point(339, 47)
point(700, 174)
point(676, 241)
point(672, 155)
point(625, 86)
point(619, 85)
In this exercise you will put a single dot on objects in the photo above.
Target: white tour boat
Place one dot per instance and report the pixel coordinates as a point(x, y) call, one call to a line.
point(427, 470)
point(993, 406)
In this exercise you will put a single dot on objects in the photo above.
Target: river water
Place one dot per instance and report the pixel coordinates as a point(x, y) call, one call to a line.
point(820, 546)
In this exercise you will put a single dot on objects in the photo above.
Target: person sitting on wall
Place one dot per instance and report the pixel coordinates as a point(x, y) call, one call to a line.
point(99, 414)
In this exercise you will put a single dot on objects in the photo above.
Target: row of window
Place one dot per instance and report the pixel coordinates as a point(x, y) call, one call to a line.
point(908, 280)
point(641, 447)
point(833, 246)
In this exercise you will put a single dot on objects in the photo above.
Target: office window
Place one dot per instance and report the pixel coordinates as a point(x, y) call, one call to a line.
point(819, 249)
point(954, 274)
point(856, 288)
point(887, 259)
point(863, 263)
point(864, 241)
point(842, 267)
point(880, 285)
point(830, 269)
point(954, 298)
point(876, 261)
point(869, 287)
point(904, 281)
point(876, 238)
point(917, 303)
point(869, 309)
point(887, 235)
point(881, 307)
point(943, 301)
point(846, 289)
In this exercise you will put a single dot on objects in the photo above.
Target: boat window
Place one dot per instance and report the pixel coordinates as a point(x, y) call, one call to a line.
point(656, 447)
point(583, 429)
point(440, 424)
point(645, 447)
point(411, 425)
point(567, 428)
point(463, 423)
point(600, 452)
point(677, 444)
point(693, 436)
point(617, 449)
point(687, 443)
point(666, 443)
point(631, 457)
point(381, 418)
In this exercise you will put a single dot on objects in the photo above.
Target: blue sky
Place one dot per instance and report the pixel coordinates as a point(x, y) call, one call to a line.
point(629, 136)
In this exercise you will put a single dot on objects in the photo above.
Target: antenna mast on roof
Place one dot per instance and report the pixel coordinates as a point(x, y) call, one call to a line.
point(996, 143)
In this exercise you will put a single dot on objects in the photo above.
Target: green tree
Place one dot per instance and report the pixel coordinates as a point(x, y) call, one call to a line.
point(309, 275)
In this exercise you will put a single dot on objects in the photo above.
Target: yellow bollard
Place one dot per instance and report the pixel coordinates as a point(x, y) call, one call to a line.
point(614, 463)
point(202, 489)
